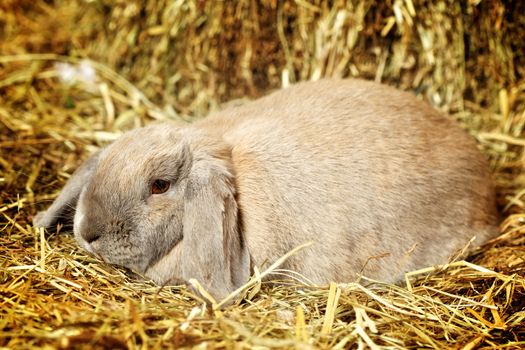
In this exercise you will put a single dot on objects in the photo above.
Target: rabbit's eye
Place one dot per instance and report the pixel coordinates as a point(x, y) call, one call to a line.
point(159, 186)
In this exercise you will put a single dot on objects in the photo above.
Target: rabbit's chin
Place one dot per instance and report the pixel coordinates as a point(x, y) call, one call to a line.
point(168, 268)
point(86, 246)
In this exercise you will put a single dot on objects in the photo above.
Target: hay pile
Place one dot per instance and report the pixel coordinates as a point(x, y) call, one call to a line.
point(177, 60)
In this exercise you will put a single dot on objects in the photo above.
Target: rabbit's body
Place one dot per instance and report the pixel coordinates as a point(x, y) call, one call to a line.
point(355, 167)
point(380, 182)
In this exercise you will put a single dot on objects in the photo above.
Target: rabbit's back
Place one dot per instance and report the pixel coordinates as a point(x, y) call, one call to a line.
point(380, 182)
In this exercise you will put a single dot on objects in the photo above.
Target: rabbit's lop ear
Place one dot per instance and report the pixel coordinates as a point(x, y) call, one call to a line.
point(63, 208)
point(214, 252)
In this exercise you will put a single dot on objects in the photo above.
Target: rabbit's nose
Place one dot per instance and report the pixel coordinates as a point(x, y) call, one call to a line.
point(91, 235)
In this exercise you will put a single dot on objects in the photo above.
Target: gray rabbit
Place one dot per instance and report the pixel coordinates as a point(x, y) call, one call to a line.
point(379, 181)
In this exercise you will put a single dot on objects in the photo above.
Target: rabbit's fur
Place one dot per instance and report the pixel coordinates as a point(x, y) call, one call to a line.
point(379, 181)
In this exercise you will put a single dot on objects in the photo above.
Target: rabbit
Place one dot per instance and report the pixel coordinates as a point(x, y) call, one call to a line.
point(379, 181)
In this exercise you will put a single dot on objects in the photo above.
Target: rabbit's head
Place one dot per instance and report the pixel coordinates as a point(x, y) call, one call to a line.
point(160, 201)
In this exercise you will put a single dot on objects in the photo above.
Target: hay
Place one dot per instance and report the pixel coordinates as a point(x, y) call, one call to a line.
point(152, 60)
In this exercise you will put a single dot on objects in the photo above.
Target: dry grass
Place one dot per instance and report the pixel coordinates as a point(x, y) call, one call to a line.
point(176, 60)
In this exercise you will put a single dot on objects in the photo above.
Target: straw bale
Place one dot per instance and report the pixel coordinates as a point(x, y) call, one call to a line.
point(75, 74)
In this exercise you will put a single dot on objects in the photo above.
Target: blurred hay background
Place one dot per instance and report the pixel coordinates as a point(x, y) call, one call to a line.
point(75, 74)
